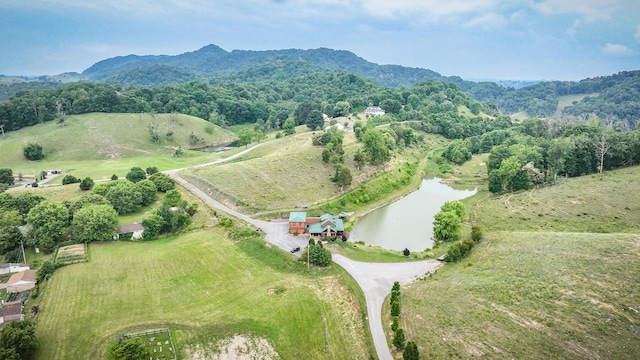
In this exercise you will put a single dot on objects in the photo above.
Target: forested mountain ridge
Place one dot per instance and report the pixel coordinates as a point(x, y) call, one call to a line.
point(615, 101)
point(211, 61)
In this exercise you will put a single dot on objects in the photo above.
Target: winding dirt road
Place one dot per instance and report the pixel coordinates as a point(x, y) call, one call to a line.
point(375, 279)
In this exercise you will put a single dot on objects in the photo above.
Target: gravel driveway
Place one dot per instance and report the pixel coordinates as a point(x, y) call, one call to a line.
point(375, 279)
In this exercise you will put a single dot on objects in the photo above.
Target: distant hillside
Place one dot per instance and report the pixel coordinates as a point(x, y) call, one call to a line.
point(212, 61)
point(107, 137)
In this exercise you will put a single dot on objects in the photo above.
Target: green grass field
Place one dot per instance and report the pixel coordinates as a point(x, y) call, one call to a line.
point(203, 286)
point(546, 282)
point(282, 174)
point(531, 296)
point(99, 145)
point(596, 203)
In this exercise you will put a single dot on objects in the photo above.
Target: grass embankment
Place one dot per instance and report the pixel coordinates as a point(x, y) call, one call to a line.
point(204, 286)
point(99, 144)
point(541, 284)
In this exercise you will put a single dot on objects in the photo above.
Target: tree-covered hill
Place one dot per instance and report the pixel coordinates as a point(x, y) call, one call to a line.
point(287, 68)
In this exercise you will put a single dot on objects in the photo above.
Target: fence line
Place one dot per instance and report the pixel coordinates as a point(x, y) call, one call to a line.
point(153, 332)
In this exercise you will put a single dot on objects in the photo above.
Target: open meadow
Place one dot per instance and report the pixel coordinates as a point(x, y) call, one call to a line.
point(282, 174)
point(605, 203)
point(99, 145)
point(203, 286)
point(531, 295)
point(555, 277)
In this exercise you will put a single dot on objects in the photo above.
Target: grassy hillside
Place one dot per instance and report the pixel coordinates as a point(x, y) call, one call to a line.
point(531, 296)
point(285, 173)
point(100, 144)
point(204, 286)
point(288, 173)
point(544, 282)
point(594, 203)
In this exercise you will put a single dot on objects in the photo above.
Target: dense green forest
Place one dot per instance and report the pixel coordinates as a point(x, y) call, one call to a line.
point(612, 98)
point(237, 103)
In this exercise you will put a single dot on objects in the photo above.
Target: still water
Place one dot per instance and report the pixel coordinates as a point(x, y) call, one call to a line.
point(408, 222)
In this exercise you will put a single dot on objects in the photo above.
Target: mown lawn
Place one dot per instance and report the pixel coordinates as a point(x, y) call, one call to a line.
point(531, 296)
point(204, 286)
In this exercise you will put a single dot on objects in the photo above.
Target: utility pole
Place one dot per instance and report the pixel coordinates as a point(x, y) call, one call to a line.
point(308, 251)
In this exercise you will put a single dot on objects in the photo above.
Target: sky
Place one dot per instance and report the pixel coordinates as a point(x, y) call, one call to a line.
point(474, 39)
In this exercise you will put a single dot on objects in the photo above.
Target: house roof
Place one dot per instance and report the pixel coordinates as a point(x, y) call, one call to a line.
point(297, 216)
point(27, 276)
point(327, 221)
point(129, 228)
point(11, 308)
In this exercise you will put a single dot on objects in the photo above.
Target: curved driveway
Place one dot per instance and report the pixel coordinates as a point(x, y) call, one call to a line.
point(375, 279)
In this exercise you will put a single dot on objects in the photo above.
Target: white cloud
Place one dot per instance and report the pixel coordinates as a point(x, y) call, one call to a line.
point(432, 8)
point(637, 34)
point(489, 20)
point(589, 9)
point(616, 50)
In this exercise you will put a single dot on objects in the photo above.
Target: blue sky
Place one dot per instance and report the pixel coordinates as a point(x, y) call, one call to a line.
point(474, 39)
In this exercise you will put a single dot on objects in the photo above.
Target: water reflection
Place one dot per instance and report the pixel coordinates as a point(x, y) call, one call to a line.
point(408, 222)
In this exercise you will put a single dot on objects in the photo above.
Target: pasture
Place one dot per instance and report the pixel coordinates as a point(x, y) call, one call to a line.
point(99, 145)
point(606, 203)
point(544, 295)
point(204, 286)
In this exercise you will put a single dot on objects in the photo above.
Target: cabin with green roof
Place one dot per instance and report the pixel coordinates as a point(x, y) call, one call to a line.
point(297, 222)
point(325, 225)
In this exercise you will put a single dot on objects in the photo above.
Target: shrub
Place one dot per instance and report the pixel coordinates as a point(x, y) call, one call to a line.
point(398, 338)
point(411, 352)
point(46, 269)
point(114, 177)
point(395, 308)
point(476, 233)
point(136, 174)
point(395, 324)
point(152, 170)
point(33, 151)
point(86, 184)
point(70, 179)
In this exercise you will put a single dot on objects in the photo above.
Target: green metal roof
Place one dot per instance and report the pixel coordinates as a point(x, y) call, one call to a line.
point(319, 228)
point(297, 216)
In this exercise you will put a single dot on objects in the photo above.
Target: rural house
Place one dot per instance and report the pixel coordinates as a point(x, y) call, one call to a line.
point(11, 311)
point(297, 222)
point(135, 230)
point(325, 225)
point(22, 281)
point(374, 110)
point(10, 268)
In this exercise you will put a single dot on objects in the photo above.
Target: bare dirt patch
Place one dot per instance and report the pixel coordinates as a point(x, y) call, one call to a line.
point(239, 347)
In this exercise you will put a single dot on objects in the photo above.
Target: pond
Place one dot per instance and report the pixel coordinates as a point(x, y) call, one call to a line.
point(408, 222)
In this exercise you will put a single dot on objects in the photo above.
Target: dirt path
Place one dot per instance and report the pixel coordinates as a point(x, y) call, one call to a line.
point(375, 279)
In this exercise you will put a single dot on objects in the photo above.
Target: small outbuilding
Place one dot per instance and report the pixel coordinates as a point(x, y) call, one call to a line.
point(11, 311)
point(21, 281)
point(135, 230)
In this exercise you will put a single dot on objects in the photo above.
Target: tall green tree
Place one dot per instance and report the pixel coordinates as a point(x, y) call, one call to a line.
point(289, 127)
point(19, 336)
point(124, 196)
point(6, 176)
point(411, 351)
point(136, 174)
point(48, 220)
point(447, 226)
point(94, 223)
point(33, 151)
point(398, 338)
point(375, 146)
point(342, 176)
